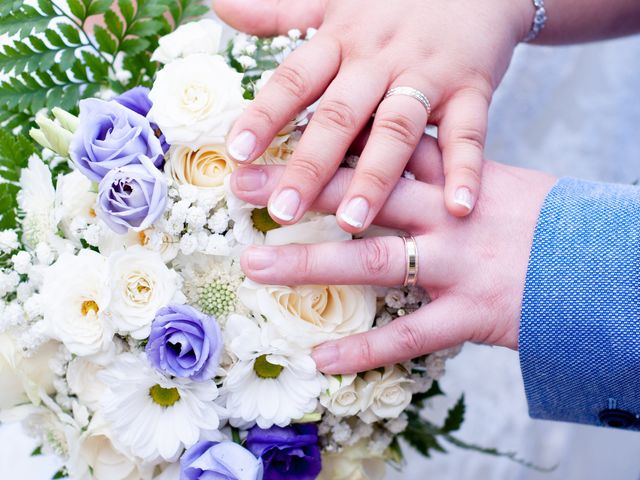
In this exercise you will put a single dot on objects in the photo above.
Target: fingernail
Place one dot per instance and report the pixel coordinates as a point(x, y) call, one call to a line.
point(250, 179)
point(285, 205)
point(260, 258)
point(242, 146)
point(356, 212)
point(325, 355)
point(463, 198)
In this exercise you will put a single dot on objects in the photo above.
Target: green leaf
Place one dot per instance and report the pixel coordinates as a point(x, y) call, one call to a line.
point(127, 10)
point(419, 398)
point(421, 435)
point(24, 20)
point(144, 28)
point(98, 6)
point(114, 24)
point(105, 40)
point(62, 473)
point(70, 33)
point(15, 151)
point(77, 9)
point(455, 417)
point(37, 451)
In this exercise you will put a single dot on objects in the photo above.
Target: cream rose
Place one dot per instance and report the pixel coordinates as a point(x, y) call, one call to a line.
point(94, 456)
point(353, 463)
point(22, 378)
point(390, 393)
point(208, 167)
point(196, 100)
point(312, 314)
point(76, 295)
point(345, 396)
point(140, 284)
point(202, 36)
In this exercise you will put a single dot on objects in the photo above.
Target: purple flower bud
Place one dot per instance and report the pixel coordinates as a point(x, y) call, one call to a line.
point(290, 453)
point(225, 461)
point(133, 196)
point(137, 99)
point(185, 343)
point(111, 136)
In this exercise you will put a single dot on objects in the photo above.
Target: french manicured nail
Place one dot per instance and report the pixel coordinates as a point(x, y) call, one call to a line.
point(286, 205)
point(463, 198)
point(242, 146)
point(356, 212)
point(260, 258)
point(250, 179)
point(325, 355)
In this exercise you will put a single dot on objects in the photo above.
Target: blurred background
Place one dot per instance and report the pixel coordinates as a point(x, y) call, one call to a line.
point(571, 111)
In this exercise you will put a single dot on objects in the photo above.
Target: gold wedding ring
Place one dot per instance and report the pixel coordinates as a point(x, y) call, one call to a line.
point(413, 93)
point(411, 255)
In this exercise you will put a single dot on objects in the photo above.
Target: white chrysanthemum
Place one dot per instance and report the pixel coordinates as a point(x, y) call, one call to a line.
point(76, 297)
point(141, 284)
point(36, 200)
point(152, 416)
point(211, 284)
point(272, 382)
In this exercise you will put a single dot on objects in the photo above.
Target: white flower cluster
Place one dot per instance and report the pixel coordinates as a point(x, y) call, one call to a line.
point(84, 310)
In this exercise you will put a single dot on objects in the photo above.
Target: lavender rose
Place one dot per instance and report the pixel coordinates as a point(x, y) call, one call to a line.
point(111, 136)
point(185, 343)
point(133, 196)
point(287, 453)
point(137, 99)
point(225, 461)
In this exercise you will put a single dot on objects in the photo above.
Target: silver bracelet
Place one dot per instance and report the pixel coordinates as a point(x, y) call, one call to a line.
point(539, 20)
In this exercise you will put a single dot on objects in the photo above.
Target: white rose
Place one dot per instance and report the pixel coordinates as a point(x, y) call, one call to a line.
point(140, 284)
point(94, 456)
point(207, 167)
point(345, 395)
point(390, 393)
point(84, 383)
point(311, 314)
point(76, 297)
point(196, 100)
point(203, 36)
point(353, 463)
point(23, 378)
point(75, 201)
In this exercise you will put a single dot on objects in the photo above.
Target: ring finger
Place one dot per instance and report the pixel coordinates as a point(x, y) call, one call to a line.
point(397, 129)
point(373, 261)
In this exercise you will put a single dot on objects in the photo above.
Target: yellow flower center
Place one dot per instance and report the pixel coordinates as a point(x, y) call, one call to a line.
point(89, 306)
point(265, 369)
point(262, 221)
point(165, 397)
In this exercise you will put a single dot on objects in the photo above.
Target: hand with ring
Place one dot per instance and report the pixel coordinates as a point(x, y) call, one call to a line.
point(436, 60)
point(473, 269)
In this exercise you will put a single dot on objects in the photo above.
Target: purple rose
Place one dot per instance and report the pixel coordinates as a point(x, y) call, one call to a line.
point(133, 196)
point(111, 136)
point(137, 99)
point(224, 461)
point(185, 343)
point(287, 453)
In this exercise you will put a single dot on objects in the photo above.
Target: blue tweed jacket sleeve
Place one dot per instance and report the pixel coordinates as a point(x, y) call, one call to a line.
point(580, 326)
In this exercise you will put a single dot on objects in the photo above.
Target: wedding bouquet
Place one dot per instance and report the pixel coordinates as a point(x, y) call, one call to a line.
point(131, 343)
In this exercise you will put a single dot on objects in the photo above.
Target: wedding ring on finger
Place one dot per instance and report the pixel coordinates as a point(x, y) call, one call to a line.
point(411, 256)
point(413, 93)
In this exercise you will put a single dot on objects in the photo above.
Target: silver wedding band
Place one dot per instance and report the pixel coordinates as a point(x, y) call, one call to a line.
point(411, 255)
point(413, 93)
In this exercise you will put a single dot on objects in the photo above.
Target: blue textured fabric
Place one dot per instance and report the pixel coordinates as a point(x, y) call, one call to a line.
point(580, 326)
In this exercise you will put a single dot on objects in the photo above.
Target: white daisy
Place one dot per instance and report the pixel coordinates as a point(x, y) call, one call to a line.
point(272, 382)
point(152, 416)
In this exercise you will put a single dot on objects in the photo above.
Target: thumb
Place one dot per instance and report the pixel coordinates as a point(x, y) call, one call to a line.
point(270, 17)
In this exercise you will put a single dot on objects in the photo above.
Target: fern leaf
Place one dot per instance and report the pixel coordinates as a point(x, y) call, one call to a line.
point(24, 19)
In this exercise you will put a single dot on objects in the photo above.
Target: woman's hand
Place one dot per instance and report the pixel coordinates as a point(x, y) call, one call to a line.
point(455, 52)
point(473, 269)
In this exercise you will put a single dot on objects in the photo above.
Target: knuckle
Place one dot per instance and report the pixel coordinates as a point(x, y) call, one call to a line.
point(263, 113)
point(376, 179)
point(408, 339)
point(375, 257)
point(336, 115)
point(399, 128)
point(303, 260)
point(307, 168)
point(470, 136)
point(366, 355)
point(291, 79)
